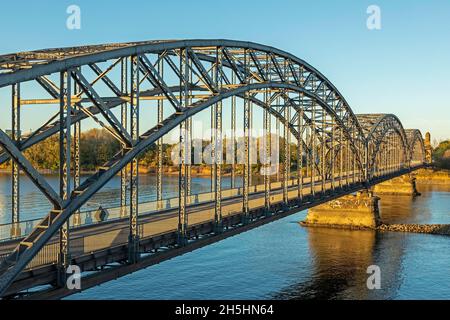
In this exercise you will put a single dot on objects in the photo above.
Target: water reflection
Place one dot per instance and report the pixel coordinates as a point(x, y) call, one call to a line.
point(337, 259)
point(340, 257)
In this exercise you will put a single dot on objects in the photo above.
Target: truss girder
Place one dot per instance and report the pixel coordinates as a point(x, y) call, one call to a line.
point(377, 127)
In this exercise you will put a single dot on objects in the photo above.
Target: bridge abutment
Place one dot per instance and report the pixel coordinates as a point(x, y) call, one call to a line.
point(403, 185)
point(351, 211)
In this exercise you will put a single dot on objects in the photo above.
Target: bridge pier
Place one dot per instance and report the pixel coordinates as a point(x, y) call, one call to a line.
point(403, 185)
point(351, 211)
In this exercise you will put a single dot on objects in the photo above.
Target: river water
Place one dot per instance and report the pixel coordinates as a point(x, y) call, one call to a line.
point(283, 260)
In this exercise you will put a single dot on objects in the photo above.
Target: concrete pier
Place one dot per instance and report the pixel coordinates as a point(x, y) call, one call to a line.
point(403, 185)
point(353, 211)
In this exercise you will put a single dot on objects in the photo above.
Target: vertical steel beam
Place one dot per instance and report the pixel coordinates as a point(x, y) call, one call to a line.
point(331, 152)
point(278, 135)
point(233, 135)
point(300, 151)
point(133, 239)
point(213, 145)
point(341, 152)
point(76, 154)
point(366, 162)
point(267, 153)
point(159, 170)
point(182, 214)
point(218, 150)
point(251, 145)
point(123, 122)
point(286, 156)
point(397, 140)
point(347, 167)
point(313, 148)
point(289, 136)
point(392, 153)
point(187, 102)
point(391, 136)
point(354, 161)
point(394, 139)
point(324, 150)
point(308, 154)
point(15, 170)
point(247, 114)
point(188, 157)
point(64, 169)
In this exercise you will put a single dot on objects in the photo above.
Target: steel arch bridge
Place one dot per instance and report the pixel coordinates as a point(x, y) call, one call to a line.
point(336, 151)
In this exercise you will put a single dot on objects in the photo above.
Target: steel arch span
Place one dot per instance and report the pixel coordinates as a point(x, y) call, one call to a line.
point(110, 84)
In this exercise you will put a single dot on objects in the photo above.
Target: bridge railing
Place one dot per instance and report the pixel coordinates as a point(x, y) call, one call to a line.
point(89, 217)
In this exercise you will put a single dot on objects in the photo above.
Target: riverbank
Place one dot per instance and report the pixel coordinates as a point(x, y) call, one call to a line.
point(432, 176)
point(442, 229)
point(172, 171)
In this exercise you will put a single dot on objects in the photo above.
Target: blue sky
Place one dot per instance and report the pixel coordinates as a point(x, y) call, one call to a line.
point(402, 68)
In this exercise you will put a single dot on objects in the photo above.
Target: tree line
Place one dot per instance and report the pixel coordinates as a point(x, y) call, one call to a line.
point(441, 155)
point(97, 146)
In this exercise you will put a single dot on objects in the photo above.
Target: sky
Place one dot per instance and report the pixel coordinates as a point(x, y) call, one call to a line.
point(401, 68)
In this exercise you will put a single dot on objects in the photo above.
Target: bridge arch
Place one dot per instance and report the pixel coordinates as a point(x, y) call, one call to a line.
point(384, 134)
point(416, 146)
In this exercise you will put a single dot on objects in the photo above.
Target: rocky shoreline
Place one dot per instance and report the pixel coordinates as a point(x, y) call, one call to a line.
point(442, 229)
point(432, 176)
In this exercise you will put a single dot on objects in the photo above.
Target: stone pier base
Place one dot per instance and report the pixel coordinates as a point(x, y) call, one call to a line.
point(403, 185)
point(351, 211)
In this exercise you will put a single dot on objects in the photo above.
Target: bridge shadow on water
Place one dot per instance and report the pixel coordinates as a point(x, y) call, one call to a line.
point(340, 259)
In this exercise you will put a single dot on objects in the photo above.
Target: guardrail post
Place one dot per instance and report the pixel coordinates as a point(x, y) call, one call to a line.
point(123, 122)
point(267, 153)
point(218, 148)
point(300, 151)
point(15, 170)
point(159, 160)
point(76, 154)
point(182, 188)
point(133, 238)
point(246, 177)
point(65, 190)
